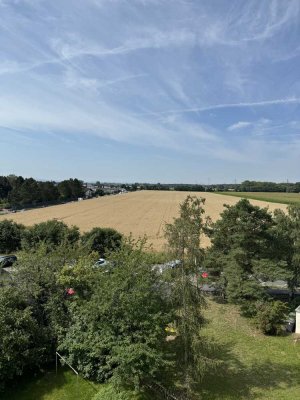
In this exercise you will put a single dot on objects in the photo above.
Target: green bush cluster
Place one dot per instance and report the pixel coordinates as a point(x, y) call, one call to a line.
point(14, 237)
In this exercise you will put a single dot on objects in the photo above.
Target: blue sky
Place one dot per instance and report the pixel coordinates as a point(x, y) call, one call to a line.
point(150, 90)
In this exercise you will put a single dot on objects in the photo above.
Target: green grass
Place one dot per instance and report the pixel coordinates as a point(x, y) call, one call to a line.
point(256, 367)
point(283, 198)
point(63, 386)
point(49, 386)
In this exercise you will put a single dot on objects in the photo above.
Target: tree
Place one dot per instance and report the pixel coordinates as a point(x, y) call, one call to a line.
point(102, 240)
point(184, 242)
point(242, 244)
point(21, 340)
point(10, 236)
point(71, 189)
point(52, 232)
point(287, 233)
point(49, 192)
point(118, 331)
point(5, 187)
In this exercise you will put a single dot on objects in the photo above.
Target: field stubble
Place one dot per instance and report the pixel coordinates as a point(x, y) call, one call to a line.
point(140, 213)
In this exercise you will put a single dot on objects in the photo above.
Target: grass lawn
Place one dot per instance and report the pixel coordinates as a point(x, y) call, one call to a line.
point(255, 366)
point(283, 198)
point(63, 386)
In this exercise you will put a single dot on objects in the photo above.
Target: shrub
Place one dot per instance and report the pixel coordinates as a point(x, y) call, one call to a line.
point(102, 240)
point(10, 236)
point(112, 393)
point(52, 232)
point(271, 316)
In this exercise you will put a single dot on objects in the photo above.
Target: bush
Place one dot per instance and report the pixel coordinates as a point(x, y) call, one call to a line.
point(53, 233)
point(271, 316)
point(112, 393)
point(102, 240)
point(10, 236)
point(21, 339)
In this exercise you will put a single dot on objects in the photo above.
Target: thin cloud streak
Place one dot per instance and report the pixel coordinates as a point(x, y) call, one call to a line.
point(292, 100)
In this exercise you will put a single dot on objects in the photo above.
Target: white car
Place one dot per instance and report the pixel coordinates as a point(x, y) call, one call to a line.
point(100, 263)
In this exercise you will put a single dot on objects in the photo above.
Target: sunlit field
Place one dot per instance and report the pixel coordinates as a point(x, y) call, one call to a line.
point(140, 213)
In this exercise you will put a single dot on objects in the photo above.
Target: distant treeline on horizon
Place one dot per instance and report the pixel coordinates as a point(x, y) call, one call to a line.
point(246, 186)
point(18, 192)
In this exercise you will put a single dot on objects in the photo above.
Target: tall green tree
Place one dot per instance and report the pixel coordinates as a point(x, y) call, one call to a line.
point(287, 233)
point(184, 243)
point(5, 187)
point(244, 252)
point(117, 332)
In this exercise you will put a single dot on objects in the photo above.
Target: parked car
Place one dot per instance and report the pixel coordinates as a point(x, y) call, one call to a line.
point(100, 263)
point(174, 263)
point(7, 261)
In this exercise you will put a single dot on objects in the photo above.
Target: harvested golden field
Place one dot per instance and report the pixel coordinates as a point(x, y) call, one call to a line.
point(140, 213)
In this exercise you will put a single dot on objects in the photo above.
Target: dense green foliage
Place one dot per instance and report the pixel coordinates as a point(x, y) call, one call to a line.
point(33, 310)
point(16, 191)
point(184, 243)
point(112, 393)
point(240, 240)
point(52, 232)
point(271, 316)
point(10, 236)
point(102, 240)
point(21, 341)
point(251, 246)
point(254, 186)
point(117, 322)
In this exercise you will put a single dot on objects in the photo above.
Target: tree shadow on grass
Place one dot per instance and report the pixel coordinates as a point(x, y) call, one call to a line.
point(230, 378)
point(235, 380)
point(62, 386)
point(34, 385)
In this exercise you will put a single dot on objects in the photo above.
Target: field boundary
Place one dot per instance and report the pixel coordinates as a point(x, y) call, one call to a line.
point(266, 198)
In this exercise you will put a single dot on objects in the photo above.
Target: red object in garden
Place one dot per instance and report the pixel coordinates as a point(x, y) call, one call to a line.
point(204, 275)
point(70, 291)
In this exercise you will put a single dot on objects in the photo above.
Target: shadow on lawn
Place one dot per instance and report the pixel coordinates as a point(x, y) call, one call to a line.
point(230, 378)
point(28, 387)
point(234, 380)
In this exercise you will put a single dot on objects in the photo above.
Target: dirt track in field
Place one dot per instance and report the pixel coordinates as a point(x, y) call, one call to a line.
point(140, 213)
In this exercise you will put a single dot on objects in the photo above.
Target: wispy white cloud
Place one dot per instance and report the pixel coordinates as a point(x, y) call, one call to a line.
point(290, 100)
point(121, 71)
point(239, 125)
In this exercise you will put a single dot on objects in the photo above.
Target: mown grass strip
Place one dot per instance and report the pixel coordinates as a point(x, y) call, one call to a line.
point(279, 198)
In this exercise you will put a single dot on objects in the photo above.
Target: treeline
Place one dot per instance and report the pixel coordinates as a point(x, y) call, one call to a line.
point(53, 233)
point(18, 192)
point(176, 186)
point(256, 186)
